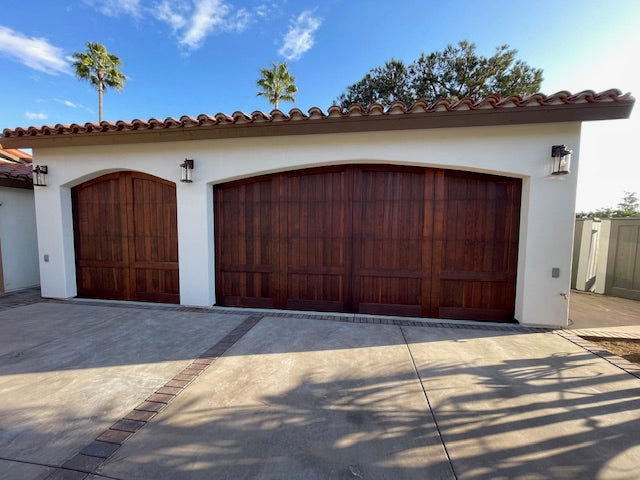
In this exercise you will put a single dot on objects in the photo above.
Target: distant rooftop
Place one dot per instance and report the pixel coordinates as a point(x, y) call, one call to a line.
point(15, 168)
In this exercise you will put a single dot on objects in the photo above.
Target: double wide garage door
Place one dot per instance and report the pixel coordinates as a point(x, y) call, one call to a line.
point(126, 238)
point(370, 239)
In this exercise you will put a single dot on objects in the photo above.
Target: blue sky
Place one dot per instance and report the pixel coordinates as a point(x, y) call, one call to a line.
point(185, 57)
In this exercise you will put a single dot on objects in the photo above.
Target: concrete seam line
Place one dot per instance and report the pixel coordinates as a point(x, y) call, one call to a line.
point(213, 353)
point(426, 396)
point(56, 467)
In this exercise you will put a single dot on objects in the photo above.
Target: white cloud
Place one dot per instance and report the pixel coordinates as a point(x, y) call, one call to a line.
point(36, 53)
point(165, 11)
point(35, 116)
point(262, 10)
point(67, 103)
point(269, 9)
point(114, 8)
point(207, 15)
point(299, 38)
point(193, 21)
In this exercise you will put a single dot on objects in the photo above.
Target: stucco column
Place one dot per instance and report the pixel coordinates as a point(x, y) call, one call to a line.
point(56, 256)
point(546, 243)
point(195, 243)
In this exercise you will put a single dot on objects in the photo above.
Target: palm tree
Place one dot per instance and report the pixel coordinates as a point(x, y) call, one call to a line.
point(277, 84)
point(100, 68)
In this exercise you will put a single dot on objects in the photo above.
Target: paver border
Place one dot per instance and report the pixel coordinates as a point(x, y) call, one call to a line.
point(89, 458)
point(595, 349)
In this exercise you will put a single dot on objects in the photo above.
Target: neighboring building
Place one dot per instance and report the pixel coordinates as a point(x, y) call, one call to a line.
point(18, 239)
point(444, 210)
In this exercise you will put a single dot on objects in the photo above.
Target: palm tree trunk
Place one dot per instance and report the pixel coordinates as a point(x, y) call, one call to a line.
point(100, 90)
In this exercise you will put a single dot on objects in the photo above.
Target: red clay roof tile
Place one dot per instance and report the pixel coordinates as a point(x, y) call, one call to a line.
point(492, 103)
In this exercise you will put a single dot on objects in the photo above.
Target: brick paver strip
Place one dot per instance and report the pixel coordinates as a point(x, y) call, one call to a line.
point(147, 406)
point(83, 463)
point(615, 360)
point(170, 390)
point(114, 436)
point(128, 425)
point(185, 378)
point(139, 415)
point(161, 397)
point(177, 383)
point(100, 449)
point(105, 445)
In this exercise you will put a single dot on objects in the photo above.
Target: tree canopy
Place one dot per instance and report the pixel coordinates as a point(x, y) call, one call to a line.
point(277, 84)
point(454, 73)
point(628, 207)
point(100, 68)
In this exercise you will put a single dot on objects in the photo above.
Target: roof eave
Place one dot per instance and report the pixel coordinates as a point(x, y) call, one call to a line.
point(387, 122)
point(16, 183)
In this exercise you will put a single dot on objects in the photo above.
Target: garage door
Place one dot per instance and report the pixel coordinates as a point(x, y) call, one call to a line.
point(370, 239)
point(126, 240)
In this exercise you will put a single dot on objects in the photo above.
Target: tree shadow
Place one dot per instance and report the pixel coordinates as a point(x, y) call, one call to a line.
point(327, 400)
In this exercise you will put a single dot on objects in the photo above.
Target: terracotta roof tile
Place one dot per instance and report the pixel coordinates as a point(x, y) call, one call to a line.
point(15, 171)
point(421, 108)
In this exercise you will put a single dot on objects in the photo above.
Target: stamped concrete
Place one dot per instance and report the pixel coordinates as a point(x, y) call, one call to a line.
point(529, 406)
point(297, 399)
point(67, 372)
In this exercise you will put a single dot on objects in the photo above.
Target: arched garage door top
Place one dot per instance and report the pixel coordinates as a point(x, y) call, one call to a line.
point(370, 239)
point(126, 238)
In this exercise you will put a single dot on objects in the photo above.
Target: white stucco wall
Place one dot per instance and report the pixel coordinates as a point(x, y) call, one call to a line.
point(18, 242)
point(523, 151)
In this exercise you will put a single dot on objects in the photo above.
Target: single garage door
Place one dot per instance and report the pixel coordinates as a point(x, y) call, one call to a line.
point(370, 239)
point(126, 238)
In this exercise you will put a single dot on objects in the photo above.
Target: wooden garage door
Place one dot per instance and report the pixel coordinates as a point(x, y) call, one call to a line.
point(126, 238)
point(370, 239)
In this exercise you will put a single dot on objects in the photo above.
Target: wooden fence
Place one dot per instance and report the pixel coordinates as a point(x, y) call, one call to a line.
point(606, 257)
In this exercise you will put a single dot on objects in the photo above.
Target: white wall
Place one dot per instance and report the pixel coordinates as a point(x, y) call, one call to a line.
point(517, 150)
point(18, 238)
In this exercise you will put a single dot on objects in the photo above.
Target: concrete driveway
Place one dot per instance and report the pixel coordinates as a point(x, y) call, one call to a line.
point(163, 393)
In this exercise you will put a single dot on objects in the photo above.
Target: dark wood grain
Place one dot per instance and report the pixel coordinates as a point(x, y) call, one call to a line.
point(126, 238)
point(370, 239)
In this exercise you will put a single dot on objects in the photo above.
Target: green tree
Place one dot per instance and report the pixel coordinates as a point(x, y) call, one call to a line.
point(628, 207)
point(277, 84)
point(100, 68)
point(456, 72)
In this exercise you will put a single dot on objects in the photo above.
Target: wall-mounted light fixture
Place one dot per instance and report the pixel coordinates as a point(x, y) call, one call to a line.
point(40, 175)
point(561, 159)
point(186, 171)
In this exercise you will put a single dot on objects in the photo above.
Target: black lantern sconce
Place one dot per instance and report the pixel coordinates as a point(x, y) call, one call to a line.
point(40, 175)
point(561, 159)
point(186, 171)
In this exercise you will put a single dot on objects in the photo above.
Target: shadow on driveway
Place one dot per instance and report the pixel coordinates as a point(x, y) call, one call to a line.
point(310, 399)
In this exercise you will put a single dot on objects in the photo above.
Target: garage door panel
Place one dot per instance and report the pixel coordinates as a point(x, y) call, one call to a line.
point(314, 239)
point(102, 240)
point(155, 221)
point(251, 285)
point(375, 239)
point(306, 291)
point(245, 253)
point(126, 242)
point(156, 285)
point(390, 309)
point(102, 282)
point(390, 290)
